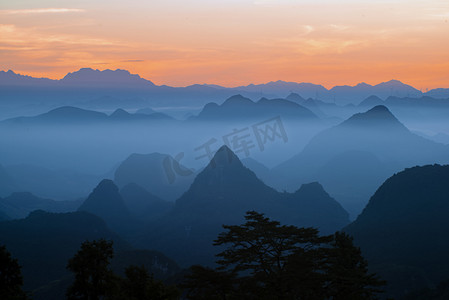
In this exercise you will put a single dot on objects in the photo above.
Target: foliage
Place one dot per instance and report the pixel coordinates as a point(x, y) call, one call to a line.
point(139, 284)
point(266, 260)
point(348, 271)
point(11, 280)
point(93, 277)
point(95, 280)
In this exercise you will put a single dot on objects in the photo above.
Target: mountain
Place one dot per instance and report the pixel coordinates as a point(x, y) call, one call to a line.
point(107, 78)
point(68, 115)
point(438, 93)
point(371, 101)
point(281, 88)
point(353, 158)
point(10, 78)
point(221, 194)
point(60, 115)
point(339, 94)
point(355, 94)
point(106, 202)
point(19, 204)
point(294, 97)
point(122, 115)
point(403, 229)
point(238, 107)
point(142, 204)
point(157, 173)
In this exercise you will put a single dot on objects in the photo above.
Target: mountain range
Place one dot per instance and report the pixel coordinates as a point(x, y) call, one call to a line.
point(73, 115)
point(90, 78)
point(354, 157)
point(221, 194)
point(238, 107)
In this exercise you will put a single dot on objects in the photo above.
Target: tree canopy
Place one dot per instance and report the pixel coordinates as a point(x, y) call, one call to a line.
point(266, 260)
point(11, 280)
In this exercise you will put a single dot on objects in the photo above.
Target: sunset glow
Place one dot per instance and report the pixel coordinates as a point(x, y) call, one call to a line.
point(232, 42)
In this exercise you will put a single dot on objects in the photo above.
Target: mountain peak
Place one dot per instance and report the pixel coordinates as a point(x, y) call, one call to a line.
point(237, 99)
point(224, 157)
point(106, 202)
point(91, 77)
point(120, 113)
point(378, 116)
point(295, 98)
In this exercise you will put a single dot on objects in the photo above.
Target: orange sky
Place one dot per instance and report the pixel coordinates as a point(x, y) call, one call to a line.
point(232, 42)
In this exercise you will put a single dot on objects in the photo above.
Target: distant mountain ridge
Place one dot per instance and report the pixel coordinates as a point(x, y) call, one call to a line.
point(240, 107)
point(344, 94)
point(73, 115)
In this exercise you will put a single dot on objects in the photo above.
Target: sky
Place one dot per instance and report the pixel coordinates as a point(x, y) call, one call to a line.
point(231, 42)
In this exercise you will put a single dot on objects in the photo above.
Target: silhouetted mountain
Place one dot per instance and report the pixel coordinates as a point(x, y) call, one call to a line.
point(122, 115)
point(238, 107)
point(355, 94)
point(106, 202)
point(378, 117)
point(439, 93)
point(61, 115)
point(19, 204)
point(95, 78)
point(43, 243)
point(371, 101)
point(282, 88)
point(143, 204)
point(294, 97)
point(74, 115)
point(155, 172)
point(221, 194)
point(360, 153)
point(403, 229)
point(10, 78)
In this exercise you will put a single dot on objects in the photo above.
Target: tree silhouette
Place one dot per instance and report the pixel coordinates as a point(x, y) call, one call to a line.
point(347, 271)
point(262, 253)
point(204, 283)
point(93, 277)
point(139, 284)
point(266, 260)
point(11, 280)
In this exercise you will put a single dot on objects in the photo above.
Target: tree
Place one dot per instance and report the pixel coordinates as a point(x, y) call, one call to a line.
point(139, 284)
point(93, 277)
point(11, 280)
point(204, 283)
point(260, 252)
point(266, 260)
point(347, 271)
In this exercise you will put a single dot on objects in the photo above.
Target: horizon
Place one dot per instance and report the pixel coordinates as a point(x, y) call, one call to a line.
point(215, 84)
point(232, 43)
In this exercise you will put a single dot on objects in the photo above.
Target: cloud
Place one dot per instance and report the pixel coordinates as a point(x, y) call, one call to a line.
point(40, 11)
point(133, 60)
